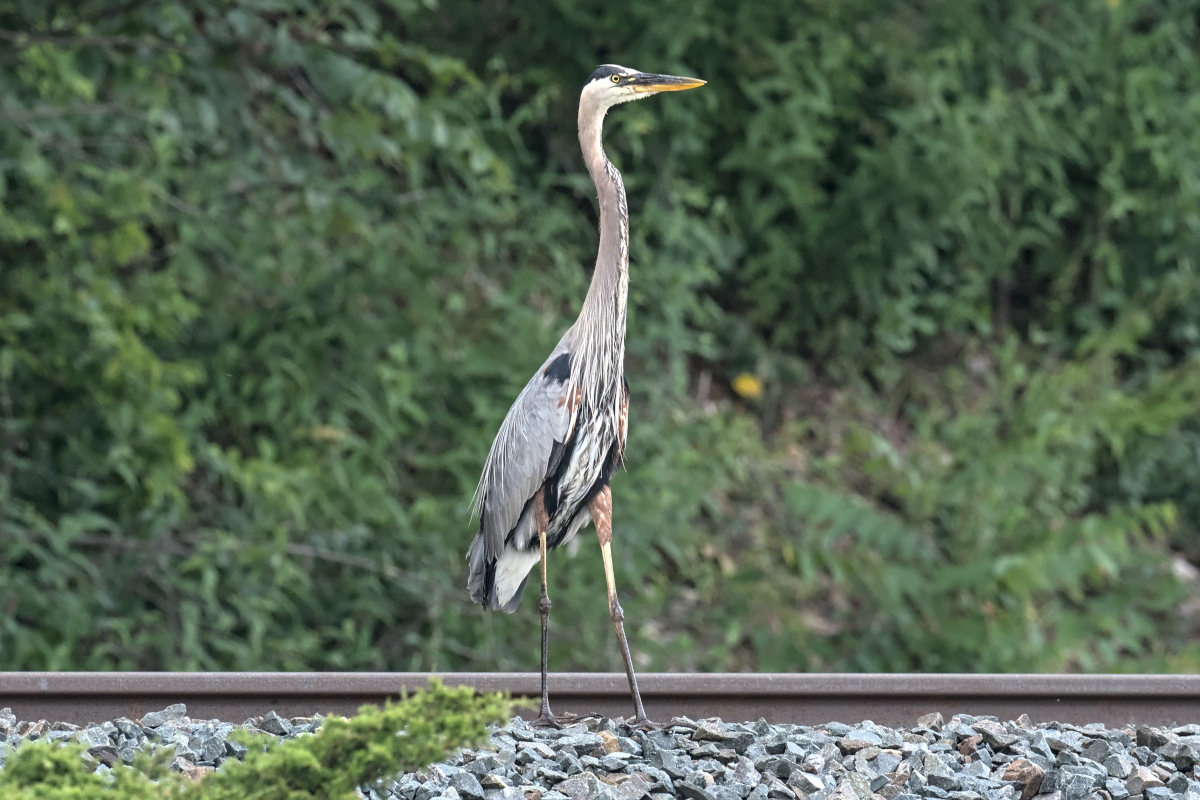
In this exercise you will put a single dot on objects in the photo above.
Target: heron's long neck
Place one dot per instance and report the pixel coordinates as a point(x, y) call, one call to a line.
point(600, 329)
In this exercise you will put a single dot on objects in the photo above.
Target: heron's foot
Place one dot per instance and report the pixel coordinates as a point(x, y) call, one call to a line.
point(546, 719)
point(643, 723)
point(683, 722)
point(647, 725)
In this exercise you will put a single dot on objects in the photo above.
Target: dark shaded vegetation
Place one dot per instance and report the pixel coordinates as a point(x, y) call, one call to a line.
point(913, 334)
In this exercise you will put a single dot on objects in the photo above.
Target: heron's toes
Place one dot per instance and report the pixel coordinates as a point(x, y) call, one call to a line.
point(644, 724)
point(683, 722)
point(571, 719)
point(546, 719)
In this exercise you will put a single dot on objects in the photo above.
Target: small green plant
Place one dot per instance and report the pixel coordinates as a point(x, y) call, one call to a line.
point(343, 754)
point(43, 770)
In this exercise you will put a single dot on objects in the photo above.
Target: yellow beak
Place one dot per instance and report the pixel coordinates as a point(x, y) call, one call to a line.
point(663, 83)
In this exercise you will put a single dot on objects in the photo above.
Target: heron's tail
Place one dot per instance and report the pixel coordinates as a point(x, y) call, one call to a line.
point(498, 583)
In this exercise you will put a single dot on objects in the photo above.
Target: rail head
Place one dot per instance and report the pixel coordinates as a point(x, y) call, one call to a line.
point(888, 699)
point(668, 684)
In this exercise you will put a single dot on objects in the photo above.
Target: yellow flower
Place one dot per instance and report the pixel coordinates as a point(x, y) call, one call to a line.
point(329, 434)
point(748, 386)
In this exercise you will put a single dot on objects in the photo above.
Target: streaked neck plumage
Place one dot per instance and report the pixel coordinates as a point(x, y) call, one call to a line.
point(599, 334)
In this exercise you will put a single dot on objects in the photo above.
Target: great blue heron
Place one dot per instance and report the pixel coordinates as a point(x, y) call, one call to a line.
point(548, 471)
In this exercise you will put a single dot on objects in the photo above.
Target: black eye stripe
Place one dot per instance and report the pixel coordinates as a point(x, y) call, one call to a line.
point(607, 71)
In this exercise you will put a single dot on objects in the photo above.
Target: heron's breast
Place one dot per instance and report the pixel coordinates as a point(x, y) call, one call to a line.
point(582, 472)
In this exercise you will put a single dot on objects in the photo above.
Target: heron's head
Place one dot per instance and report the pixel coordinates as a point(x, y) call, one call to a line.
point(611, 84)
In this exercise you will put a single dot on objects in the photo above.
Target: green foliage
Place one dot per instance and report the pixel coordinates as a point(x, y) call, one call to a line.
point(53, 771)
point(273, 271)
point(192, 423)
point(979, 539)
point(1000, 553)
point(345, 753)
point(897, 171)
point(342, 754)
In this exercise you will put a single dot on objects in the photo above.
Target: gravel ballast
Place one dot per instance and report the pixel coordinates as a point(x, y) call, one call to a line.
point(965, 758)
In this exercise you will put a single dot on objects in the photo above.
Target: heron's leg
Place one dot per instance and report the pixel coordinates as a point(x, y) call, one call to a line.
point(601, 511)
point(545, 716)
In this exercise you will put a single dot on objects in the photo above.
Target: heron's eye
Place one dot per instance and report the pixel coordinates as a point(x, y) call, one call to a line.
point(616, 78)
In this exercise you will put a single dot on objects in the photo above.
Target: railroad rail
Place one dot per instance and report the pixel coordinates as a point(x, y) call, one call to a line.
point(888, 699)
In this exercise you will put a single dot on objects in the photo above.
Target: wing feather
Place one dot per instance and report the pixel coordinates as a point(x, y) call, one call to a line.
point(520, 459)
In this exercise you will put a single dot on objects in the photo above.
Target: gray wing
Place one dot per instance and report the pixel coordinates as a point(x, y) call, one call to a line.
point(539, 422)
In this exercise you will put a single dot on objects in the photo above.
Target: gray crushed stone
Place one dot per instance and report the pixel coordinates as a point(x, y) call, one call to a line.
point(965, 758)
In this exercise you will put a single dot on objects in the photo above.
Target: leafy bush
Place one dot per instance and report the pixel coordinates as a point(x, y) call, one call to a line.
point(273, 273)
point(341, 755)
point(58, 772)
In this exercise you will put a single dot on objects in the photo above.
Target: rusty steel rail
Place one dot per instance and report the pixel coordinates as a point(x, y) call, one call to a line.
point(893, 700)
